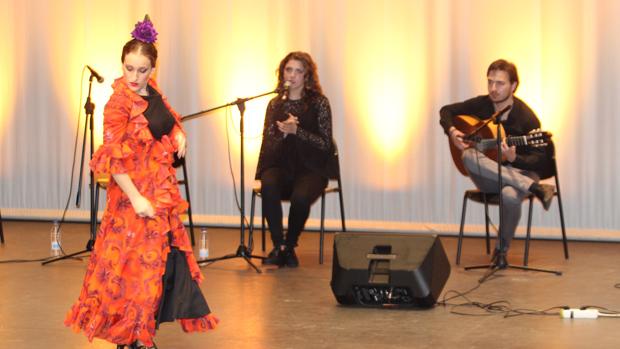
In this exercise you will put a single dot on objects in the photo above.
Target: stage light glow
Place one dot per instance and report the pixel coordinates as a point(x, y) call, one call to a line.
point(386, 84)
point(244, 66)
point(72, 51)
point(545, 59)
point(560, 66)
point(7, 71)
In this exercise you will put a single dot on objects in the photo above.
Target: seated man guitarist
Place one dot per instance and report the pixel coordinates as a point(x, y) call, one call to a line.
point(523, 166)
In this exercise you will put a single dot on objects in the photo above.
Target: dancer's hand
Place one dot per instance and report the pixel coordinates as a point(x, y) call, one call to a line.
point(181, 144)
point(142, 206)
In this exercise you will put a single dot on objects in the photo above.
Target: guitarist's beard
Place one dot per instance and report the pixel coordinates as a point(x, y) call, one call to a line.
point(497, 99)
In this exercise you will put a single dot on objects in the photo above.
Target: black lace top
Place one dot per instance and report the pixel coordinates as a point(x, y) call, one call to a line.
point(309, 149)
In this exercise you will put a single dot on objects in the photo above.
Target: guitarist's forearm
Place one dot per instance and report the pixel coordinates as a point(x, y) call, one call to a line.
point(445, 120)
point(474, 106)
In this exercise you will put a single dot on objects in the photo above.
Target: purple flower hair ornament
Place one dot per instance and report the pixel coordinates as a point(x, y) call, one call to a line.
point(144, 31)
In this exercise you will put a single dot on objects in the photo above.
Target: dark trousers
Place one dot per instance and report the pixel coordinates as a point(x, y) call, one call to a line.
point(302, 191)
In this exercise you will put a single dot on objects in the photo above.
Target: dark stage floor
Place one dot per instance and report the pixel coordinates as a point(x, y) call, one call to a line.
point(294, 308)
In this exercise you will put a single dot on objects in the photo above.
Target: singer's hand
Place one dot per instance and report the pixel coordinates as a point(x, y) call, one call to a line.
point(456, 137)
point(181, 144)
point(288, 126)
point(142, 206)
point(510, 152)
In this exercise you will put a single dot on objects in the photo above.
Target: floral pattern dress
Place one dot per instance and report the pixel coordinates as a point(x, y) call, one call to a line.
point(123, 284)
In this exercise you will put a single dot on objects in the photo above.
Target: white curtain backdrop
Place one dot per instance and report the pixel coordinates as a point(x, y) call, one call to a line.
point(386, 66)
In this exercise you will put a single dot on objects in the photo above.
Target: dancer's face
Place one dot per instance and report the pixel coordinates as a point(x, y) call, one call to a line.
point(137, 71)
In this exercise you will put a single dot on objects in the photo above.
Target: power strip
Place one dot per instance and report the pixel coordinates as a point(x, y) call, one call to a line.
point(579, 313)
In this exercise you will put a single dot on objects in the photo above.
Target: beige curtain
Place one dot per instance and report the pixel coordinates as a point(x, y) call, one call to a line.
point(386, 66)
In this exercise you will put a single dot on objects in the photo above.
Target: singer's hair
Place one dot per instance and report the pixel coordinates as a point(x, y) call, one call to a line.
point(145, 48)
point(311, 78)
point(508, 67)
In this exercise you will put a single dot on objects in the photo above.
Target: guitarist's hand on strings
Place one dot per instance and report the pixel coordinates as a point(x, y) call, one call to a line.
point(456, 137)
point(509, 152)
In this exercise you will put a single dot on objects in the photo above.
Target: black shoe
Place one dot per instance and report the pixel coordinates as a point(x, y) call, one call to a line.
point(499, 259)
point(140, 345)
point(502, 261)
point(275, 257)
point(544, 193)
point(291, 258)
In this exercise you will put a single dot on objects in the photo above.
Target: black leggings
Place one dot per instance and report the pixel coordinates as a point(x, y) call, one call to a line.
point(302, 191)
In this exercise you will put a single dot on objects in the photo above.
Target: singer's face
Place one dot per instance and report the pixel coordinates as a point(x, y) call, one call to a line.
point(295, 73)
point(500, 88)
point(137, 70)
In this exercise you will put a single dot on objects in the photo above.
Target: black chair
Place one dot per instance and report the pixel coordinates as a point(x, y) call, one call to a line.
point(493, 199)
point(103, 183)
point(185, 183)
point(331, 188)
point(1, 230)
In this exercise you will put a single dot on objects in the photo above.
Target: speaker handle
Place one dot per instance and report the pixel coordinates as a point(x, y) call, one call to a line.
point(383, 257)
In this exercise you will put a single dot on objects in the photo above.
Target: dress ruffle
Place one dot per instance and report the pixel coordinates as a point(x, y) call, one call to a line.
point(203, 324)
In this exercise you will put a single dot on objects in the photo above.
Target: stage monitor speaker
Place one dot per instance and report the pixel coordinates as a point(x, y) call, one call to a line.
point(384, 269)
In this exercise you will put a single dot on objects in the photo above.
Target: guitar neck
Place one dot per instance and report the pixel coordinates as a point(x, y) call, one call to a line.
point(490, 143)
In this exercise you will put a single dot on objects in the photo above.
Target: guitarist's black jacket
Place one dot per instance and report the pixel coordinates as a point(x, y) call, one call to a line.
point(521, 120)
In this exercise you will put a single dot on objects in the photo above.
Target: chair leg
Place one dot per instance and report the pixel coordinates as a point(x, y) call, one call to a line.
point(486, 224)
point(93, 211)
point(1, 230)
point(251, 227)
point(322, 232)
point(526, 255)
point(564, 241)
point(189, 208)
point(262, 230)
point(460, 241)
point(344, 228)
point(191, 225)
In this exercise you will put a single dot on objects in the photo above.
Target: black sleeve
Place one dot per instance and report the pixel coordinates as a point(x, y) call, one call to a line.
point(323, 138)
point(477, 106)
point(530, 158)
point(270, 129)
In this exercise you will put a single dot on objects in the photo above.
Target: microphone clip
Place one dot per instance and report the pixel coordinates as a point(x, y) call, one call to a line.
point(284, 90)
point(94, 74)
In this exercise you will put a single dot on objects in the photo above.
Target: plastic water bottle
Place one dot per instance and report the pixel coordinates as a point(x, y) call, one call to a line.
point(55, 239)
point(203, 251)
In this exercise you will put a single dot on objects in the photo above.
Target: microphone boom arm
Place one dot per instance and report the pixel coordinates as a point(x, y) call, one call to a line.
point(240, 102)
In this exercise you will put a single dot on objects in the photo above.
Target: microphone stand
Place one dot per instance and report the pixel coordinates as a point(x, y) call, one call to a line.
point(89, 109)
point(494, 266)
point(242, 251)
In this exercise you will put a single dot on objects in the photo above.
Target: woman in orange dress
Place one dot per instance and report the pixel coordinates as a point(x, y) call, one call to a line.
point(142, 270)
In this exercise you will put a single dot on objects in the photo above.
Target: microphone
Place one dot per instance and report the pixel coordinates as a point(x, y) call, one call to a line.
point(95, 74)
point(287, 84)
point(499, 113)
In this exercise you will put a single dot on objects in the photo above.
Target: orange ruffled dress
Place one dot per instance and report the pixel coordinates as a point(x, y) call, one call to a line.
point(123, 284)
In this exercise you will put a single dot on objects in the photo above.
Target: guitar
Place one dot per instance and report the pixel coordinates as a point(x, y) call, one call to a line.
point(485, 139)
